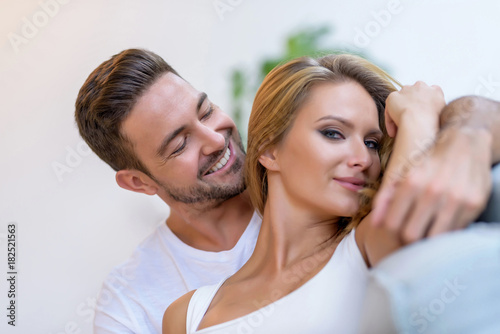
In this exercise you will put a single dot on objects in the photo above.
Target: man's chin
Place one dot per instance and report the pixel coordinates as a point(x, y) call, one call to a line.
point(204, 195)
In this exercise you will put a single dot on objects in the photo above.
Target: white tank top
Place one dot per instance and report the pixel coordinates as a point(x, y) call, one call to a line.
point(330, 302)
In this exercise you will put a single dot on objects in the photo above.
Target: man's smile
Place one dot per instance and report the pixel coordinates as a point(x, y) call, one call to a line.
point(221, 162)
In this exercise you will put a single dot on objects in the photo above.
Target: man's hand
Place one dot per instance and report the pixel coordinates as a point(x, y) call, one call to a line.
point(445, 189)
point(431, 185)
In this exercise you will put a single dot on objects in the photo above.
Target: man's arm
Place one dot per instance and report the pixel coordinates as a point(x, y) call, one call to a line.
point(112, 313)
point(476, 114)
point(446, 186)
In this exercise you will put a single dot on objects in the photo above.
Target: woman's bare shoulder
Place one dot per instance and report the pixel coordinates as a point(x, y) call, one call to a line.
point(174, 318)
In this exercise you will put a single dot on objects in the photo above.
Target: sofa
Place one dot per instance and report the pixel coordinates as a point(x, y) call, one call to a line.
point(446, 284)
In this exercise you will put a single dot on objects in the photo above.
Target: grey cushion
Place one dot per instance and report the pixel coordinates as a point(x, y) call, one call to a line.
point(446, 284)
point(411, 281)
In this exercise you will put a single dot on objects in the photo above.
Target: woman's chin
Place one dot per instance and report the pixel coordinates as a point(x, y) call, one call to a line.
point(351, 208)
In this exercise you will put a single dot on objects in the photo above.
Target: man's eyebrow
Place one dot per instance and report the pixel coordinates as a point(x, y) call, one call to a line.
point(166, 141)
point(348, 123)
point(201, 99)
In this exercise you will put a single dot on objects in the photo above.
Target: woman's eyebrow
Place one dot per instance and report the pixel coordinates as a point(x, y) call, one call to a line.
point(337, 118)
point(375, 132)
point(349, 124)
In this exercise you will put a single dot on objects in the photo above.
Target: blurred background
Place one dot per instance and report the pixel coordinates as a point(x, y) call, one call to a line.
point(73, 223)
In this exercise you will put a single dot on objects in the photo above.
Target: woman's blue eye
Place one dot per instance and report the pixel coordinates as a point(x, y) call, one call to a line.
point(332, 134)
point(372, 144)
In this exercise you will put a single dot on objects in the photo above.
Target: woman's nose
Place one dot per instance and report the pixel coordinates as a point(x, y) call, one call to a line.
point(360, 156)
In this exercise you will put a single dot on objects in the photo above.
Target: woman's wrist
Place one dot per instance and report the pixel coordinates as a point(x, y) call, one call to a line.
point(431, 118)
point(416, 135)
point(419, 125)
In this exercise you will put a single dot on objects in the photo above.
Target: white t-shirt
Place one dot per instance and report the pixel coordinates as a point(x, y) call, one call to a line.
point(330, 302)
point(135, 294)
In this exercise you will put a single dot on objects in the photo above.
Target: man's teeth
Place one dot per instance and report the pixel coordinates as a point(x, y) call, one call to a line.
point(221, 163)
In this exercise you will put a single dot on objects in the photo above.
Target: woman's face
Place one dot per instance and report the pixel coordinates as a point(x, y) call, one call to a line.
point(330, 152)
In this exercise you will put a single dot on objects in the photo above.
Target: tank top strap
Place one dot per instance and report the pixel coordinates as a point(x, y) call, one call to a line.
point(198, 305)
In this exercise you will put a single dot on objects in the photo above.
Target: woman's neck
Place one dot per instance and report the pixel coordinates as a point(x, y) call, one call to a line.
point(291, 234)
point(293, 246)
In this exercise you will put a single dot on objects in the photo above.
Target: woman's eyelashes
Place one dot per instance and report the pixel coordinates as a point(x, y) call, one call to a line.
point(332, 134)
point(372, 144)
point(337, 135)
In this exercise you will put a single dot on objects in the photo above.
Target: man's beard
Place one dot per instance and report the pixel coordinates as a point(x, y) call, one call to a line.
point(207, 194)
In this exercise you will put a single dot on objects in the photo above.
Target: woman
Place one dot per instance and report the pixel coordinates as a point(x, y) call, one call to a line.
point(315, 135)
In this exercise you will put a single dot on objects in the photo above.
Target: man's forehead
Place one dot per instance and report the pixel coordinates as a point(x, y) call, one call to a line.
point(161, 108)
point(168, 91)
point(170, 96)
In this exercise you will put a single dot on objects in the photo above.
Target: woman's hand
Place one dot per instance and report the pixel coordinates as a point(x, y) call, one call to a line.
point(412, 102)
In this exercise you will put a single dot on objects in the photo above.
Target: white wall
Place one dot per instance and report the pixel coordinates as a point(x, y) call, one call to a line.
point(73, 229)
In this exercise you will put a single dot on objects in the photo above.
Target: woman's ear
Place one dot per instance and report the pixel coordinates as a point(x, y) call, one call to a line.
point(136, 181)
point(269, 160)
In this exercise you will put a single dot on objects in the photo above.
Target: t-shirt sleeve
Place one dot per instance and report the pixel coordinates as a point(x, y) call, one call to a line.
point(113, 312)
point(104, 323)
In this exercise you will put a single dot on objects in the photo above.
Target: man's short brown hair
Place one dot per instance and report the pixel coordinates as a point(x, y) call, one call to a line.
point(107, 97)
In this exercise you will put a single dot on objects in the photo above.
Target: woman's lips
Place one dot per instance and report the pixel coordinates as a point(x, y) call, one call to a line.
point(351, 183)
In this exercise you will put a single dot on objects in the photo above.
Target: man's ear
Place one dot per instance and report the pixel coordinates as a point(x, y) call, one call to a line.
point(269, 160)
point(134, 180)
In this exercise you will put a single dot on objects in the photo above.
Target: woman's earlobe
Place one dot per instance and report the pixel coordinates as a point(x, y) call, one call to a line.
point(136, 181)
point(269, 160)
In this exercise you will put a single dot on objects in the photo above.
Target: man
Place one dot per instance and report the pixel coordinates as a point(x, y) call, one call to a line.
point(164, 137)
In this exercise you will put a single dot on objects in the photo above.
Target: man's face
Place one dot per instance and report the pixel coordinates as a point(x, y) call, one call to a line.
point(190, 147)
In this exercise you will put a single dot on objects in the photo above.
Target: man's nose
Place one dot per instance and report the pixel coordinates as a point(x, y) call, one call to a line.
point(212, 141)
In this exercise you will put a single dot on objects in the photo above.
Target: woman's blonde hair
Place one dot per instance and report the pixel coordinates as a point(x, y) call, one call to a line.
point(284, 91)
